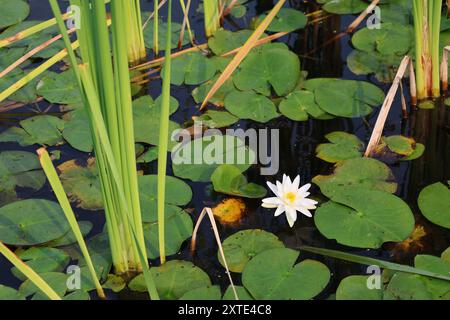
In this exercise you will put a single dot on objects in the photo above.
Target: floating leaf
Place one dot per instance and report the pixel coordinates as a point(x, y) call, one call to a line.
point(77, 131)
point(400, 144)
point(270, 65)
point(162, 31)
point(250, 105)
point(241, 247)
point(218, 99)
point(417, 152)
point(7, 293)
point(383, 66)
point(32, 221)
point(273, 274)
point(197, 159)
point(148, 156)
point(56, 280)
point(364, 173)
point(192, 68)
point(224, 40)
point(115, 283)
point(228, 179)
point(364, 218)
point(59, 88)
point(173, 279)
point(69, 237)
point(300, 105)
point(241, 292)
point(434, 204)
point(343, 6)
point(356, 288)
point(342, 146)
point(13, 12)
point(206, 293)
point(217, 119)
point(286, 20)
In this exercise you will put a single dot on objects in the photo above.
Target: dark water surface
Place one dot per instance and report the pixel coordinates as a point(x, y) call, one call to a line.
point(297, 156)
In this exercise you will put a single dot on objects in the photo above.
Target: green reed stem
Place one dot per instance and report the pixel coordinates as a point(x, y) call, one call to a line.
point(211, 16)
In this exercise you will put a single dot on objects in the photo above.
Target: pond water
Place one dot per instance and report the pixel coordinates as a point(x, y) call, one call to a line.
point(297, 153)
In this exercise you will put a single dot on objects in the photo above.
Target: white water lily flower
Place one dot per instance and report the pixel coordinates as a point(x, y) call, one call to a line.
point(290, 199)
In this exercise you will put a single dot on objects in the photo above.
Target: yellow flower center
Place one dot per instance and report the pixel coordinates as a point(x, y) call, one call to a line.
point(290, 196)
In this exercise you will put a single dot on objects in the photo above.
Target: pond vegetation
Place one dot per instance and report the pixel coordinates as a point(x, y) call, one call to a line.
point(106, 107)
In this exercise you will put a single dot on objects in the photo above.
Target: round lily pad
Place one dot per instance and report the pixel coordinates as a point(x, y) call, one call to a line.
point(434, 203)
point(32, 221)
point(206, 293)
point(60, 88)
point(199, 93)
point(300, 105)
point(191, 68)
point(241, 247)
point(69, 237)
point(355, 288)
point(400, 144)
point(77, 131)
point(13, 12)
point(7, 293)
point(342, 146)
point(162, 31)
point(364, 218)
point(343, 6)
point(251, 105)
point(217, 119)
point(173, 279)
point(224, 41)
point(286, 20)
point(56, 280)
point(241, 292)
point(273, 274)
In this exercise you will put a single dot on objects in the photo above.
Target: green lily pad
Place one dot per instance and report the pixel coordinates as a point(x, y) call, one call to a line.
point(206, 293)
point(300, 106)
point(224, 40)
point(251, 105)
point(364, 218)
point(32, 221)
point(13, 12)
point(191, 68)
point(391, 38)
point(286, 20)
point(78, 295)
point(77, 131)
point(217, 119)
point(434, 204)
point(400, 144)
point(26, 94)
point(273, 274)
point(7, 293)
point(198, 159)
point(343, 6)
point(355, 288)
point(59, 88)
point(115, 283)
point(42, 260)
point(173, 279)
point(56, 280)
point(162, 31)
point(365, 63)
point(228, 179)
point(19, 169)
point(69, 237)
point(178, 228)
point(364, 173)
point(270, 65)
point(241, 292)
point(148, 156)
point(241, 247)
point(342, 146)
point(218, 99)
point(345, 98)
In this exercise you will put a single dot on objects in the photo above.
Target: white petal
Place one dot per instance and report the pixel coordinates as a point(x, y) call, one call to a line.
point(279, 210)
point(291, 216)
point(296, 183)
point(280, 187)
point(272, 200)
point(269, 205)
point(304, 211)
point(273, 188)
point(308, 203)
point(304, 188)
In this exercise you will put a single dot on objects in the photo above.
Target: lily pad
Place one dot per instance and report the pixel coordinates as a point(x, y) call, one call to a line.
point(383, 66)
point(56, 280)
point(364, 218)
point(192, 68)
point(13, 12)
point(343, 6)
point(300, 106)
point(241, 292)
point(417, 152)
point(206, 293)
point(59, 88)
point(19, 169)
point(400, 144)
point(251, 105)
point(273, 274)
point(69, 237)
point(7, 293)
point(241, 247)
point(32, 221)
point(364, 173)
point(218, 99)
point(198, 159)
point(228, 179)
point(286, 20)
point(224, 40)
point(162, 31)
point(173, 279)
point(148, 156)
point(434, 204)
point(342, 146)
point(217, 119)
point(77, 131)
point(270, 65)
point(355, 288)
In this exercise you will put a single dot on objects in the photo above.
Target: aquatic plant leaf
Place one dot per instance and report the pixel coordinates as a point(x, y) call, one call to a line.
point(82, 184)
point(77, 131)
point(300, 106)
point(7, 293)
point(59, 88)
point(178, 228)
point(343, 6)
point(270, 65)
point(242, 246)
point(229, 211)
point(345, 98)
point(224, 40)
point(218, 99)
point(365, 63)
point(13, 12)
point(217, 119)
point(391, 38)
point(434, 204)
point(9, 55)
point(342, 146)
point(400, 144)
point(228, 179)
point(19, 169)
point(251, 105)
point(364, 173)
point(162, 31)
point(241, 292)
point(173, 279)
point(56, 280)
point(78, 295)
point(26, 94)
point(198, 159)
point(41, 260)
point(273, 274)
point(286, 20)
point(69, 237)
point(32, 221)
point(191, 68)
point(355, 288)
point(206, 293)
point(115, 283)
point(364, 218)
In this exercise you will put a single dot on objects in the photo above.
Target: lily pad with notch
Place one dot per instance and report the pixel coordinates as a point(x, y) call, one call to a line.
point(300, 106)
point(434, 204)
point(251, 105)
point(342, 146)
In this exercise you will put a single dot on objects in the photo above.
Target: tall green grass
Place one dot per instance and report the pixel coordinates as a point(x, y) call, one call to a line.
point(211, 16)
